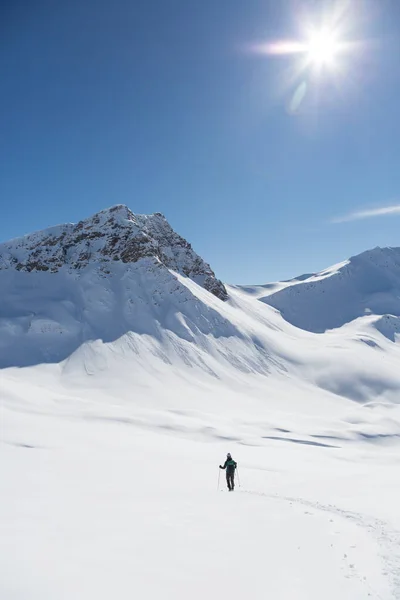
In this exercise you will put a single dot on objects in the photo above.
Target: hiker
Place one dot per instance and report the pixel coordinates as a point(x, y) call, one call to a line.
point(230, 467)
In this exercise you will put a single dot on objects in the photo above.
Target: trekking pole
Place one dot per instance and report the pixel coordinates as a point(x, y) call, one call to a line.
point(237, 468)
point(219, 473)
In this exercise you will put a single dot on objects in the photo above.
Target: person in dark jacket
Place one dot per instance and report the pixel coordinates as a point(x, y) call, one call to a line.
point(230, 466)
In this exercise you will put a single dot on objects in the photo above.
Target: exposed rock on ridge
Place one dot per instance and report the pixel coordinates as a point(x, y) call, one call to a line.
point(115, 234)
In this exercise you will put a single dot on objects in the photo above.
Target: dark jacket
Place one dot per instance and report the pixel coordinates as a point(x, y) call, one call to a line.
point(230, 466)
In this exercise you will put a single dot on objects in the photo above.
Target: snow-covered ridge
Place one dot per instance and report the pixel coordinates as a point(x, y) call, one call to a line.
point(115, 234)
point(366, 284)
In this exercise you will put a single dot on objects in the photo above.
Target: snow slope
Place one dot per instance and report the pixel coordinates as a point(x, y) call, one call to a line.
point(124, 383)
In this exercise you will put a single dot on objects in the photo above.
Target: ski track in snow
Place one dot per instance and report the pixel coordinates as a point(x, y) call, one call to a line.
point(387, 537)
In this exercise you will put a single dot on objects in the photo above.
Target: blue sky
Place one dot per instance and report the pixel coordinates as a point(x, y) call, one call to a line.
point(164, 107)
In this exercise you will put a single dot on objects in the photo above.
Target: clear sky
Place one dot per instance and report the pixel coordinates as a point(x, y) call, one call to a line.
point(181, 107)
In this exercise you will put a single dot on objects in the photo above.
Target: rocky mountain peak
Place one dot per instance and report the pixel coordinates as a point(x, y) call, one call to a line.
point(114, 234)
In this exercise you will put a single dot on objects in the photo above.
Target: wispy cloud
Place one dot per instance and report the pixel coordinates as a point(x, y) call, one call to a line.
point(368, 214)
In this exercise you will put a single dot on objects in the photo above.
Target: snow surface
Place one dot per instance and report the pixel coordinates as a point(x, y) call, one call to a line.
point(121, 393)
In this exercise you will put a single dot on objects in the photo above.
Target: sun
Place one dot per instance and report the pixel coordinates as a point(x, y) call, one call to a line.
point(319, 48)
point(322, 49)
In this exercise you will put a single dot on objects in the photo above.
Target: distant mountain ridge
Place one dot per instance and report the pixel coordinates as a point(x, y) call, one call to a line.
point(366, 284)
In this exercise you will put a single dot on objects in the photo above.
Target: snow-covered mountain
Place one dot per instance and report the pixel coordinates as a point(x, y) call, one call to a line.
point(125, 295)
point(98, 279)
point(115, 234)
point(120, 351)
point(367, 284)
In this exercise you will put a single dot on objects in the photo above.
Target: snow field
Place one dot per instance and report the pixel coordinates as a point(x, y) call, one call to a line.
point(94, 508)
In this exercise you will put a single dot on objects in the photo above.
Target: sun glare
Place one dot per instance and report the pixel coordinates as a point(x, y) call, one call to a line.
point(322, 55)
point(322, 49)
